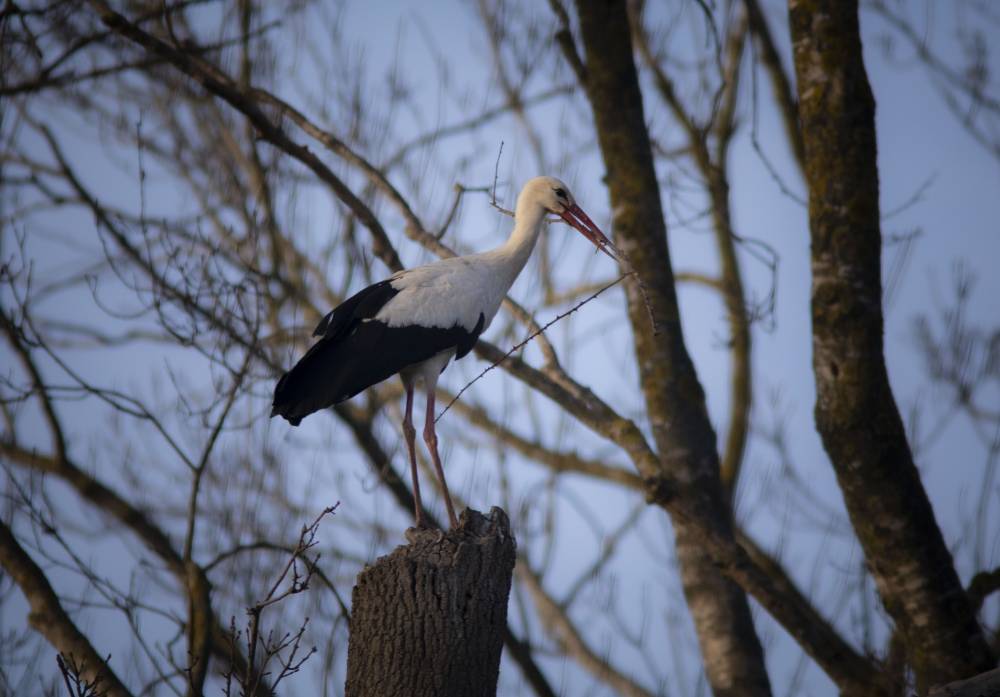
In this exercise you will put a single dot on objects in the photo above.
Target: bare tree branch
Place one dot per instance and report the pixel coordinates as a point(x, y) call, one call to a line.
point(50, 619)
point(564, 631)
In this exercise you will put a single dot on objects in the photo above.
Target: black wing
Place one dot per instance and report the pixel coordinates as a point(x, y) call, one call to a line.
point(469, 339)
point(356, 351)
point(362, 305)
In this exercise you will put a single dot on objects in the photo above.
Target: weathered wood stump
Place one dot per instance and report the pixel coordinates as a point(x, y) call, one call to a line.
point(982, 685)
point(428, 619)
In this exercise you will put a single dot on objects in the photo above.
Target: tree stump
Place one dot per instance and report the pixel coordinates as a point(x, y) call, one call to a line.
point(428, 619)
point(983, 685)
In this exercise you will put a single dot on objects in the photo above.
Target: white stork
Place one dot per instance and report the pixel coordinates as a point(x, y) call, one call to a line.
point(416, 321)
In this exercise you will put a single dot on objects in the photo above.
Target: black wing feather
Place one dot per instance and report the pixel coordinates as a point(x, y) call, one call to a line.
point(356, 351)
point(470, 338)
point(362, 305)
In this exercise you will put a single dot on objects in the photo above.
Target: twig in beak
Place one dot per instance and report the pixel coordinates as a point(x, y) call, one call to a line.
point(576, 218)
point(630, 271)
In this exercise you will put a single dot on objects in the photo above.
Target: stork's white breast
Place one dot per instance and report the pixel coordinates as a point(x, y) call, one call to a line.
point(445, 293)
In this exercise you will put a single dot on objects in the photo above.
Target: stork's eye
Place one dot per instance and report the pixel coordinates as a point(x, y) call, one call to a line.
point(561, 193)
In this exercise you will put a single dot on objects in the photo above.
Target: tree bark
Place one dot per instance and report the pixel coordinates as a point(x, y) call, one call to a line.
point(685, 439)
point(429, 618)
point(983, 685)
point(856, 414)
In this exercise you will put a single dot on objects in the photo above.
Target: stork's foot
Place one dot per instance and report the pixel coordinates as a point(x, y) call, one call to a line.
point(422, 531)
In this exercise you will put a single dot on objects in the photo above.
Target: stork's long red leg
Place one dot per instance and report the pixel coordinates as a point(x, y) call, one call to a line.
point(411, 434)
point(430, 437)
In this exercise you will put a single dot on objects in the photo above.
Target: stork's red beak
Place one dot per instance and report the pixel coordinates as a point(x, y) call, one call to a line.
point(575, 216)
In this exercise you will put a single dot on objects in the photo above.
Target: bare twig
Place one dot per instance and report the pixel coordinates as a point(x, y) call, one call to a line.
point(49, 618)
point(290, 643)
point(527, 339)
point(564, 37)
point(493, 191)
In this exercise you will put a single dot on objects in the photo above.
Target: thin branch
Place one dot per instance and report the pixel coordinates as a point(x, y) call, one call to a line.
point(780, 81)
point(564, 37)
point(523, 343)
point(49, 618)
point(558, 624)
point(108, 501)
point(982, 585)
point(817, 637)
point(17, 342)
point(222, 86)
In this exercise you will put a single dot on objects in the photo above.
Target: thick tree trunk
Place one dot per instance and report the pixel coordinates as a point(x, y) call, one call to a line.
point(428, 620)
point(856, 413)
point(685, 439)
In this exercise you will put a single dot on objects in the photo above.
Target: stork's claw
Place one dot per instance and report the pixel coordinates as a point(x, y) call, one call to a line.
point(422, 531)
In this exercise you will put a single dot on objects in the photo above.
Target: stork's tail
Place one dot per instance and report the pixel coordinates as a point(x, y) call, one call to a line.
point(337, 368)
point(314, 383)
point(283, 405)
point(287, 402)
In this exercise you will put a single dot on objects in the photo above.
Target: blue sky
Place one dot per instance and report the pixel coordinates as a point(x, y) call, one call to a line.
point(919, 142)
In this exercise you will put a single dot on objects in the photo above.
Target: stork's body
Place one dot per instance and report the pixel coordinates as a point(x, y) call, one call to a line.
point(417, 320)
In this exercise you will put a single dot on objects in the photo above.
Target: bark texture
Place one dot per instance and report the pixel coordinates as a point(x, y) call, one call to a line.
point(984, 685)
point(429, 619)
point(856, 414)
point(685, 439)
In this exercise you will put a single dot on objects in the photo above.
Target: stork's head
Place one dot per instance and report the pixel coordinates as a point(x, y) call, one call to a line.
point(555, 197)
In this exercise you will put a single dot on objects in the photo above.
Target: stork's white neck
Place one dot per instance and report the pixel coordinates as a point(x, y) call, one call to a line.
point(513, 254)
